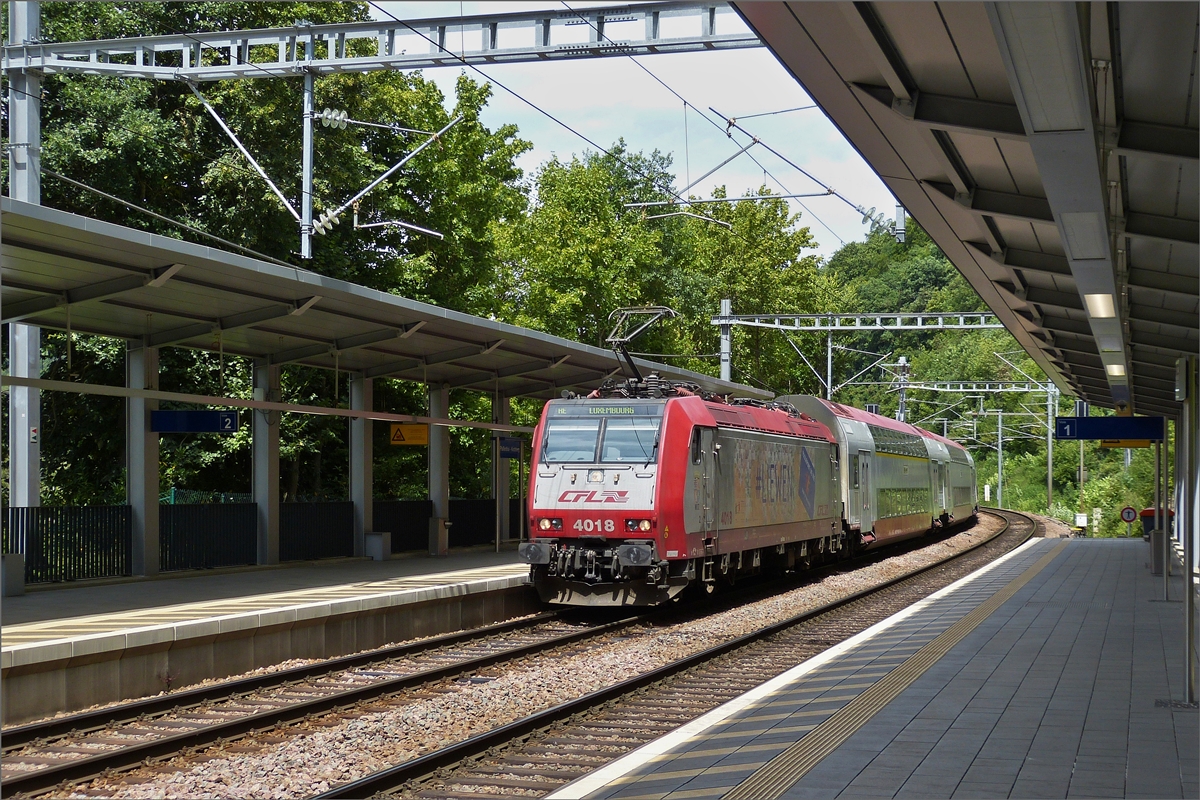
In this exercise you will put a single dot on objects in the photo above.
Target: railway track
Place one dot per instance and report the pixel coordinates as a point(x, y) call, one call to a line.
point(39, 757)
point(538, 754)
point(42, 755)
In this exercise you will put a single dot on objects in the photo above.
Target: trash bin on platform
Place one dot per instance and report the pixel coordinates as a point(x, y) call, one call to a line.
point(379, 545)
point(1147, 516)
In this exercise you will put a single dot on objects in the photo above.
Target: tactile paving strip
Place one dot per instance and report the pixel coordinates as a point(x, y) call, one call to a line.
point(712, 755)
point(773, 779)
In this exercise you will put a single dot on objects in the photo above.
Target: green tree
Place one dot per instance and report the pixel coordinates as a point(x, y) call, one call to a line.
point(152, 143)
point(759, 263)
point(579, 253)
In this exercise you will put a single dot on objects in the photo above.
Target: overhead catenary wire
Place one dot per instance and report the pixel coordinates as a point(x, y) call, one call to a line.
point(660, 203)
point(666, 190)
point(690, 214)
point(166, 219)
point(191, 153)
point(703, 116)
point(773, 113)
point(186, 152)
point(733, 124)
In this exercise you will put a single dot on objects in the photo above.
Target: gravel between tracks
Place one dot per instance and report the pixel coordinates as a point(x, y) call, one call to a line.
point(314, 756)
point(256, 672)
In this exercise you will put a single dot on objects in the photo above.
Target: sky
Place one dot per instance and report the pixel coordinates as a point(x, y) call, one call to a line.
point(607, 99)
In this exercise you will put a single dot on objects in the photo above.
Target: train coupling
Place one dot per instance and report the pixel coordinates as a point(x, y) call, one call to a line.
point(636, 554)
point(535, 552)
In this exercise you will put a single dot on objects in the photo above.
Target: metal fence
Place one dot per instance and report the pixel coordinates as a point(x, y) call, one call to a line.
point(406, 520)
point(310, 531)
point(207, 535)
point(473, 522)
point(70, 543)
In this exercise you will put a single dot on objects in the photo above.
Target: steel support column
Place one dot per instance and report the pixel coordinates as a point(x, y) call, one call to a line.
point(141, 448)
point(1000, 459)
point(24, 183)
point(1158, 478)
point(829, 365)
point(1161, 510)
point(24, 417)
point(439, 471)
point(502, 413)
point(1190, 495)
point(361, 458)
point(266, 461)
point(726, 342)
point(306, 167)
point(1051, 412)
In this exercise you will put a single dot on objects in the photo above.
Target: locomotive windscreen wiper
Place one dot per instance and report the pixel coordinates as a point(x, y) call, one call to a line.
point(654, 449)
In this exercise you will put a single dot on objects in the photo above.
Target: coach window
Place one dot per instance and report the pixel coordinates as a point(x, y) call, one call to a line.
point(854, 470)
point(695, 445)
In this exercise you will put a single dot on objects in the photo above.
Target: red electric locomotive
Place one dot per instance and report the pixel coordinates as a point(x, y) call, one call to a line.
point(636, 495)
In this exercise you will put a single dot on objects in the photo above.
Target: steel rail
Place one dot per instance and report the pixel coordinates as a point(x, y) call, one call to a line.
point(21, 735)
point(44, 779)
point(393, 777)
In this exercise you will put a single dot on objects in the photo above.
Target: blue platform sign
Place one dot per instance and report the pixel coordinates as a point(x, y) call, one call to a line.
point(194, 421)
point(1144, 428)
point(510, 447)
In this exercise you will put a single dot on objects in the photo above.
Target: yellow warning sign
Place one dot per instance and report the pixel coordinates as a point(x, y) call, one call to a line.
point(1130, 443)
point(409, 433)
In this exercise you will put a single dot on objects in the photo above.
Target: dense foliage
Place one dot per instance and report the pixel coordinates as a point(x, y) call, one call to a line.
point(556, 251)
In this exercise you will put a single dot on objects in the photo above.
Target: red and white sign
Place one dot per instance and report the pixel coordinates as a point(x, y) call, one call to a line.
point(1128, 514)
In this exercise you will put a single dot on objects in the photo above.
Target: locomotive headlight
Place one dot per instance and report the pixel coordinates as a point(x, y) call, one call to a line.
point(644, 525)
point(544, 524)
point(595, 476)
point(547, 524)
point(637, 525)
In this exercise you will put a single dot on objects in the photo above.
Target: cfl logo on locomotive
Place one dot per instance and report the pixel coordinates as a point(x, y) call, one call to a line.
point(594, 496)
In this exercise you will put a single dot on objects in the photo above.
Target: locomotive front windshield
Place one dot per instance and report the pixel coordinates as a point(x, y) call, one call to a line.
point(613, 439)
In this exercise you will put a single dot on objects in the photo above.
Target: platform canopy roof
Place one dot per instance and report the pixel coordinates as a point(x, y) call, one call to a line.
point(130, 284)
point(1051, 151)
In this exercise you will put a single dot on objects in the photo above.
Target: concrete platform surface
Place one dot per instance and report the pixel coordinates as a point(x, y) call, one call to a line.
point(1053, 673)
point(65, 601)
point(139, 639)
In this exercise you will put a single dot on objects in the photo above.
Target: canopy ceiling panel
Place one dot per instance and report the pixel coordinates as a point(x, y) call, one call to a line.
point(61, 269)
point(1043, 179)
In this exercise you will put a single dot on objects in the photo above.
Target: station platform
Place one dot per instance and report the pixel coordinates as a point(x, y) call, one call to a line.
point(1053, 672)
point(65, 649)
